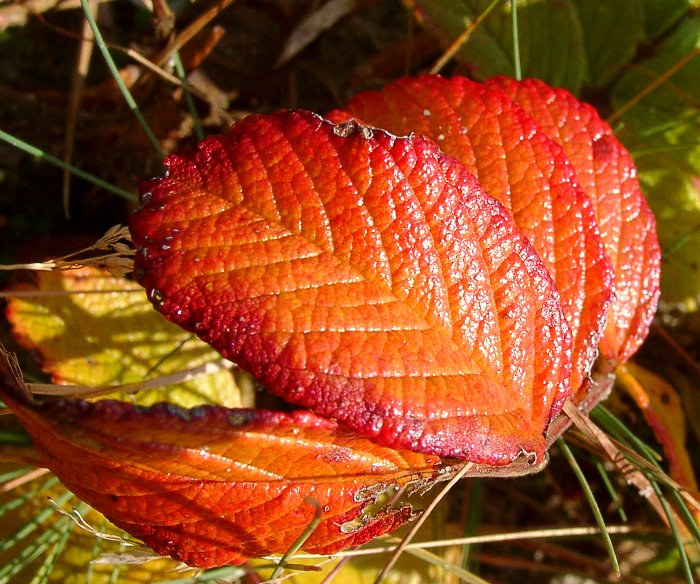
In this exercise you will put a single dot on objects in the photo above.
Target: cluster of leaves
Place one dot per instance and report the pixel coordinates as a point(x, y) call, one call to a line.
point(656, 43)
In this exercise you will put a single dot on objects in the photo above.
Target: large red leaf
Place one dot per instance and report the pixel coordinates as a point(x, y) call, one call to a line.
point(526, 171)
point(364, 276)
point(607, 174)
point(211, 486)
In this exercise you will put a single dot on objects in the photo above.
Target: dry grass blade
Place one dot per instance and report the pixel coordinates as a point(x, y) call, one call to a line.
point(77, 83)
point(23, 480)
point(114, 254)
point(163, 381)
point(419, 522)
point(186, 35)
point(209, 95)
point(313, 25)
point(313, 524)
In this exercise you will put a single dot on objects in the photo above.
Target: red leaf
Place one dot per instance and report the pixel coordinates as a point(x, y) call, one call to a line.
point(607, 174)
point(364, 276)
point(527, 172)
point(211, 486)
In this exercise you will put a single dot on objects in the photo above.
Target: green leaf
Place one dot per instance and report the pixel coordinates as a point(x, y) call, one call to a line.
point(660, 15)
point(664, 116)
point(606, 53)
point(660, 124)
point(551, 41)
point(674, 196)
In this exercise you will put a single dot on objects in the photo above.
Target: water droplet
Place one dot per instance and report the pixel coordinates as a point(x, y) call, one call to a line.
point(156, 297)
point(164, 246)
point(426, 113)
point(326, 509)
point(146, 198)
point(441, 136)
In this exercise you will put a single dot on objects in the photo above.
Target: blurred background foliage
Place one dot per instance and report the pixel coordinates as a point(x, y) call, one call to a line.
point(636, 61)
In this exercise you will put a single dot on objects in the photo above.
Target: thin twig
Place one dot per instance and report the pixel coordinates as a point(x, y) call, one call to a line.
point(655, 83)
point(77, 84)
point(419, 522)
point(546, 533)
point(84, 391)
point(454, 48)
point(24, 479)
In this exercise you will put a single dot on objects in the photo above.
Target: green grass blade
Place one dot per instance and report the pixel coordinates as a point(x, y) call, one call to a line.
point(611, 490)
point(294, 548)
point(40, 544)
point(126, 94)
point(29, 527)
point(227, 573)
point(685, 563)
point(26, 556)
point(475, 512)
point(96, 547)
point(435, 560)
point(19, 501)
point(189, 100)
point(593, 504)
point(516, 40)
point(13, 474)
point(44, 572)
point(33, 151)
point(14, 438)
point(615, 427)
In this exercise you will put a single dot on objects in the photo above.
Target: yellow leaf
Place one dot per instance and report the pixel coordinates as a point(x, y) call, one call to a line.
point(93, 329)
point(663, 411)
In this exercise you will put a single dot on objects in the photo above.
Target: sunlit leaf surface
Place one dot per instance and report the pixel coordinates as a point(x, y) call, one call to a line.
point(526, 171)
point(213, 486)
point(364, 276)
point(607, 174)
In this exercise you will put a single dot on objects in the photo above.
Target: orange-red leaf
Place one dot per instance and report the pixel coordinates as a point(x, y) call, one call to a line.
point(211, 486)
point(526, 171)
point(607, 174)
point(364, 276)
